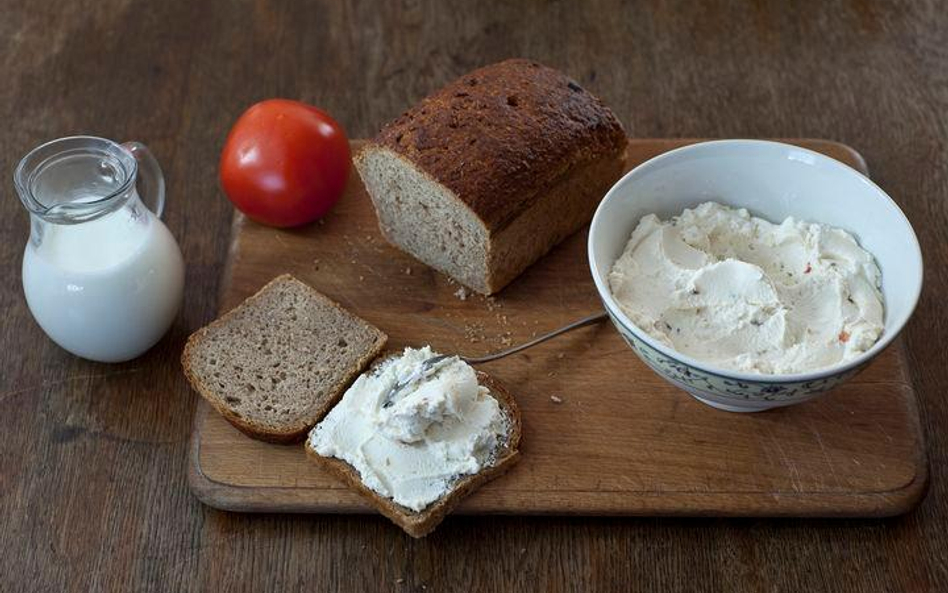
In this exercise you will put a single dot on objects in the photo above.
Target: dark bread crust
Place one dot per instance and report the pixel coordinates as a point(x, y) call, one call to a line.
point(420, 524)
point(289, 434)
point(567, 207)
point(502, 136)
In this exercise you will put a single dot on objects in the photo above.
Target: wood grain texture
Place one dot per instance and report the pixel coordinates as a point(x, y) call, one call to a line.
point(93, 459)
point(621, 441)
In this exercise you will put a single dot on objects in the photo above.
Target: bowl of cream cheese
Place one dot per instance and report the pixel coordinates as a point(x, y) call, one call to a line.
point(753, 274)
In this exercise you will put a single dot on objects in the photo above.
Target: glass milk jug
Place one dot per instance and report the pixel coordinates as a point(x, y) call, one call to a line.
point(102, 274)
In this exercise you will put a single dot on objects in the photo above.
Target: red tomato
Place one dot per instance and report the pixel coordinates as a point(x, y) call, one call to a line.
point(285, 163)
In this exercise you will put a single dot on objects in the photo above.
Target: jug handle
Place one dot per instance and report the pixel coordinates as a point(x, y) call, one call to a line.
point(150, 176)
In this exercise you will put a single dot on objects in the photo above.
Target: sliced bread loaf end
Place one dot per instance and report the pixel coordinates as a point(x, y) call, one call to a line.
point(422, 217)
point(276, 363)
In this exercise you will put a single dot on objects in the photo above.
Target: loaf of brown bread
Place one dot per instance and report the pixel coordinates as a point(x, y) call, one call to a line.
point(483, 177)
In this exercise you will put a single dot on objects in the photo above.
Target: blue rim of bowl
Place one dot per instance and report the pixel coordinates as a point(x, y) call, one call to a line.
point(605, 295)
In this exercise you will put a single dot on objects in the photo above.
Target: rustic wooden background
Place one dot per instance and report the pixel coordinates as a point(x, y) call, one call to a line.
point(92, 458)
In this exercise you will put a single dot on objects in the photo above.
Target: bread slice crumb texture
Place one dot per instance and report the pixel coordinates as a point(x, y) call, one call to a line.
point(276, 363)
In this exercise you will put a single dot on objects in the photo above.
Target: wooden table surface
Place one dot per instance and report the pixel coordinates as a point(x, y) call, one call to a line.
point(93, 492)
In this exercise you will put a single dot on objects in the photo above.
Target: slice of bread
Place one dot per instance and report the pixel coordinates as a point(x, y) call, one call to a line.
point(275, 364)
point(420, 524)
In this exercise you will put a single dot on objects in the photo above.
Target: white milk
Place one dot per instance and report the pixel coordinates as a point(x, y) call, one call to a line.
point(106, 289)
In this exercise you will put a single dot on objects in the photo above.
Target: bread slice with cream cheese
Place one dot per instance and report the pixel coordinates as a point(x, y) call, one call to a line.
point(420, 523)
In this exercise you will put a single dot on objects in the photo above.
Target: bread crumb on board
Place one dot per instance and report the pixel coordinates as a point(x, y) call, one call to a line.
point(474, 332)
point(464, 293)
point(408, 270)
point(556, 399)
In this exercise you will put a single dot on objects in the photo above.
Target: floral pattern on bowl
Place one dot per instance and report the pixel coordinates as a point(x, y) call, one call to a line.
point(727, 393)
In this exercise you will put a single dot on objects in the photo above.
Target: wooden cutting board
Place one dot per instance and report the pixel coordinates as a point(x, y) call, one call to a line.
point(620, 440)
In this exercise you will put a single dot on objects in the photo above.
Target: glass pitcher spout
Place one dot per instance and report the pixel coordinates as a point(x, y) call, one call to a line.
point(75, 179)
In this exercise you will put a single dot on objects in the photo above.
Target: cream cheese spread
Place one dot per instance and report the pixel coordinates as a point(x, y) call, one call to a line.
point(742, 293)
point(414, 447)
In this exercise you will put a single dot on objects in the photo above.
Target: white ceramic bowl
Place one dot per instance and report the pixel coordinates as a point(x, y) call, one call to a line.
point(772, 180)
